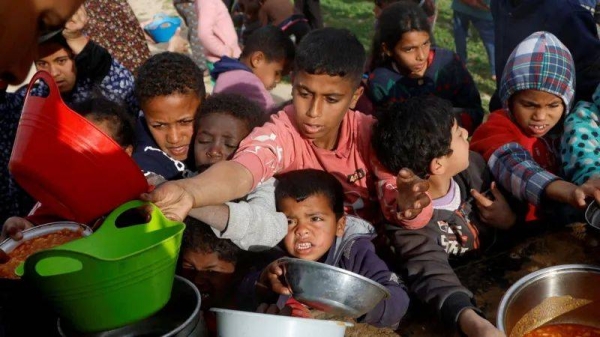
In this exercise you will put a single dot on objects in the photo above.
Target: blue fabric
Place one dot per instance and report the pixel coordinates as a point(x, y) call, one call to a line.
point(461, 7)
point(485, 27)
point(226, 64)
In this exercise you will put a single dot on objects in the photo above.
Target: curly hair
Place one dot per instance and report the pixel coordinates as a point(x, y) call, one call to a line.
point(333, 52)
point(199, 237)
point(395, 20)
point(235, 105)
point(413, 133)
point(301, 184)
point(100, 109)
point(166, 74)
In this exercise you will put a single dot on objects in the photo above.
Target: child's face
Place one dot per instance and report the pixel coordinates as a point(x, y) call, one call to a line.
point(458, 160)
point(411, 53)
point(321, 102)
point(312, 226)
point(171, 122)
point(269, 72)
point(58, 62)
point(211, 275)
point(217, 138)
point(536, 112)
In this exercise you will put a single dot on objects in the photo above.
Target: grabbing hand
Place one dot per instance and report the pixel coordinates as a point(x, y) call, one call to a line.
point(172, 199)
point(14, 227)
point(496, 213)
point(590, 188)
point(474, 325)
point(76, 24)
point(272, 277)
point(292, 308)
point(411, 198)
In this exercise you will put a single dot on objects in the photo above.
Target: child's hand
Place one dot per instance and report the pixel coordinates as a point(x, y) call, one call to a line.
point(474, 325)
point(410, 197)
point(590, 188)
point(74, 27)
point(272, 278)
point(496, 213)
point(14, 227)
point(174, 201)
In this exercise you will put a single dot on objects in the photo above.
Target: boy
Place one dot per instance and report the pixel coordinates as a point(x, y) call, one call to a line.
point(169, 88)
point(251, 223)
point(282, 14)
point(79, 66)
point(422, 134)
point(318, 230)
point(520, 142)
point(112, 119)
point(266, 57)
point(318, 131)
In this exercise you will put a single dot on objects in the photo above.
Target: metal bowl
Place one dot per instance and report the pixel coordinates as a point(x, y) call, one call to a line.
point(576, 280)
point(330, 289)
point(9, 244)
point(592, 215)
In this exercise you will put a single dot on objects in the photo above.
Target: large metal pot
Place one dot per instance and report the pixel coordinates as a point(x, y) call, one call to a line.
point(575, 280)
point(181, 317)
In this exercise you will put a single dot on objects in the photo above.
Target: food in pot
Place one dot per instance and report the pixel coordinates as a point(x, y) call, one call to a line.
point(565, 330)
point(20, 254)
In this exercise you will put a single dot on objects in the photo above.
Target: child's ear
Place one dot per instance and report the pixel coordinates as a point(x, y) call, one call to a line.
point(385, 50)
point(257, 58)
point(340, 226)
point(356, 96)
point(437, 166)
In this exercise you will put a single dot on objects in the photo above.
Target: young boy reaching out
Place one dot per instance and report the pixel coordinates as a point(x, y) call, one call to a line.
point(318, 230)
point(422, 134)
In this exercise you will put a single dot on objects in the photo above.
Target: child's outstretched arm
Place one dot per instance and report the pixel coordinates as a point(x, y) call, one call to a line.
point(73, 31)
point(495, 212)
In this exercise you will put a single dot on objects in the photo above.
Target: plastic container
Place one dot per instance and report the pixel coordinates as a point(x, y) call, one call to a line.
point(112, 278)
point(163, 27)
point(233, 323)
point(65, 162)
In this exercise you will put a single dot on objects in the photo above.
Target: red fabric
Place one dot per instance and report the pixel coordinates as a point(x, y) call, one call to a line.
point(500, 130)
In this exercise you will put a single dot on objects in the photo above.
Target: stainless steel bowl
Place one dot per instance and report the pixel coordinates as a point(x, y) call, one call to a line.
point(576, 280)
point(331, 289)
point(9, 244)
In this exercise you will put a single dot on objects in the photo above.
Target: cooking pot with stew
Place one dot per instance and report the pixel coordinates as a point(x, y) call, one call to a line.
point(562, 298)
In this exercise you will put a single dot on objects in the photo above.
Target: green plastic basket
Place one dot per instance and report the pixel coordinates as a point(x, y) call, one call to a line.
point(113, 277)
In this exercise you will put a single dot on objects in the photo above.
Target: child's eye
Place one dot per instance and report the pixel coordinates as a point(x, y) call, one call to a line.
point(186, 121)
point(408, 50)
point(331, 100)
point(187, 266)
point(316, 219)
point(291, 222)
point(158, 126)
point(231, 146)
point(303, 94)
point(62, 61)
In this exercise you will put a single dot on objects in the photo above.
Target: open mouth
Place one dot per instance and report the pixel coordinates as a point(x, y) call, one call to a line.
point(179, 150)
point(312, 129)
point(538, 129)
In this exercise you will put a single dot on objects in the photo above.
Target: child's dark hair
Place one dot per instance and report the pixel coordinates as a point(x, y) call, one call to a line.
point(166, 74)
point(235, 105)
point(412, 133)
point(101, 109)
point(272, 42)
point(333, 52)
point(199, 237)
point(302, 184)
point(395, 20)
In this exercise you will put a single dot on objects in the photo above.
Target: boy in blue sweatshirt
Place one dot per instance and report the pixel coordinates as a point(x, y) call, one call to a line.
point(318, 230)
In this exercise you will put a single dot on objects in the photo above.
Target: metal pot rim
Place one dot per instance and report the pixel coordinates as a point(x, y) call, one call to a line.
point(532, 277)
point(8, 245)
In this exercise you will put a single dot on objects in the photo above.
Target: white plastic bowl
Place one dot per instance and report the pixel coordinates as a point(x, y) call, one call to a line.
point(233, 323)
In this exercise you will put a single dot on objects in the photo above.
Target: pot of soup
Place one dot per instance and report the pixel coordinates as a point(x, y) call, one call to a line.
point(561, 300)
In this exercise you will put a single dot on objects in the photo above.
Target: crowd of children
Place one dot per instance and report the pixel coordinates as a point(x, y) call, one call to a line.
point(319, 180)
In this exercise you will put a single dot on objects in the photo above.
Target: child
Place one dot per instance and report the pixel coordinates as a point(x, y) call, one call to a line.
point(252, 222)
point(580, 142)
point(520, 142)
point(170, 89)
point(405, 65)
point(318, 230)
point(112, 119)
point(267, 56)
point(216, 31)
point(282, 14)
point(78, 66)
point(318, 131)
point(422, 134)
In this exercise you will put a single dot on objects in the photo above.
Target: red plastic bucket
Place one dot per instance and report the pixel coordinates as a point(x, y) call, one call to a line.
point(68, 164)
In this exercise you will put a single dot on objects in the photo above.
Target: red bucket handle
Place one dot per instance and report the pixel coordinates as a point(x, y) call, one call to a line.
point(53, 92)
